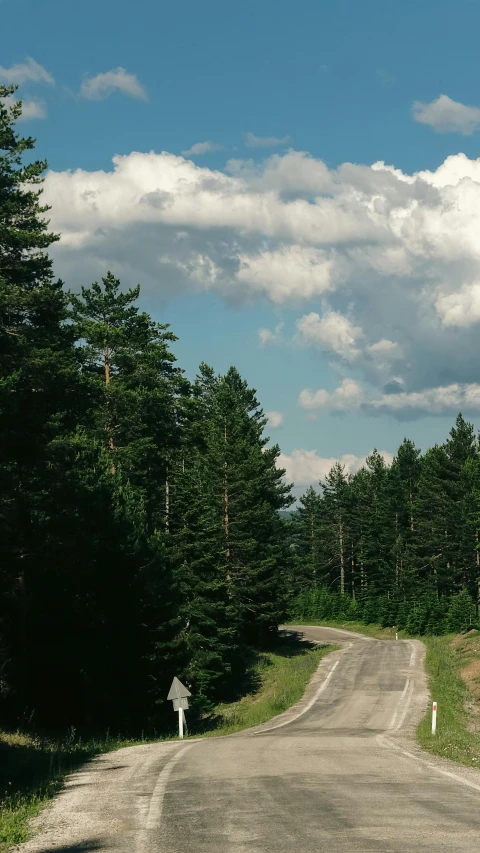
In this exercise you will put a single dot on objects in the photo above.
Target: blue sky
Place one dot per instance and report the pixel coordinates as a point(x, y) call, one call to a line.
point(365, 282)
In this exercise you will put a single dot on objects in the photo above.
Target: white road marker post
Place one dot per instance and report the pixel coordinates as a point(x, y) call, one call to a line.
point(180, 722)
point(179, 694)
point(434, 718)
point(396, 635)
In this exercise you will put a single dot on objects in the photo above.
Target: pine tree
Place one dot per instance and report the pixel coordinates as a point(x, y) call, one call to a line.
point(39, 390)
point(402, 487)
point(135, 422)
point(462, 452)
point(306, 535)
point(335, 502)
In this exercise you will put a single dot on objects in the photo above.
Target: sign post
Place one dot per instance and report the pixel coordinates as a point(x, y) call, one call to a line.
point(179, 694)
point(434, 718)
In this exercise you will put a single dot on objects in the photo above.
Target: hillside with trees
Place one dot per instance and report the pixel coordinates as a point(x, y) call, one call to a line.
point(139, 529)
point(397, 545)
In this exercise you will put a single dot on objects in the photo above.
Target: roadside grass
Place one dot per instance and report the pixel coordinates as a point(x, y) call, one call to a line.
point(33, 768)
point(457, 716)
point(281, 678)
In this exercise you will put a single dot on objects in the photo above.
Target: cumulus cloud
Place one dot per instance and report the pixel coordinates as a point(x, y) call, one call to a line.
point(202, 148)
point(461, 308)
point(447, 116)
point(116, 80)
point(275, 419)
point(268, 337)
point(351, 396)
point(348, 396)
point(447, 399)
point(333, 332)
point(307, 468)
point(29, 71)
point(271, 272)
point(252, 141)
point(293, 175)
point(382, 266)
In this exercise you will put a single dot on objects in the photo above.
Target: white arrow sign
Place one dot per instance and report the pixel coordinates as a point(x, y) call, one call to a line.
point(178, 694)
point(178, 690)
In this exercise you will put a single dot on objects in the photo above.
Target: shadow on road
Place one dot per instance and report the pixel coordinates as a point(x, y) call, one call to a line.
point(83, 847)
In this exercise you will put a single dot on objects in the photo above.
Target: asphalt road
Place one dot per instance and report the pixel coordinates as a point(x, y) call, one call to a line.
point(335, 774)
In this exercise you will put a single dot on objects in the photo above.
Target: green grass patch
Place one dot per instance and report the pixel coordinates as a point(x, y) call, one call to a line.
point(280, 678)
point(455, 738)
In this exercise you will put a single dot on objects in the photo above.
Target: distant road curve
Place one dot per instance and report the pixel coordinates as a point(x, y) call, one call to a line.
point(336, 774)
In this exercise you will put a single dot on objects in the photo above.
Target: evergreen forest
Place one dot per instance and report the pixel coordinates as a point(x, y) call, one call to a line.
point(144, 530)
point(398, 544)
point(140, 535)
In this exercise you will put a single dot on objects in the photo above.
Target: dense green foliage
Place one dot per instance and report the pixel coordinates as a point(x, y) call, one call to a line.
point(397, 545)
point(139, 529)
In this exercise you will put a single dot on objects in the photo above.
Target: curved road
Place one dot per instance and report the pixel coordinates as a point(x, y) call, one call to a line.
point(329, 775)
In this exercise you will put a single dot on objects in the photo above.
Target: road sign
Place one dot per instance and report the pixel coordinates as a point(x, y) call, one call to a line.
point(178, 690)
point(179, 694)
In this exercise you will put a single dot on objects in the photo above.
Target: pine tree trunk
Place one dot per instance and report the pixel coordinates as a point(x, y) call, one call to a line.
point(226, 513)
point(313, 552)
point(353, 573)
point(342, 558)
point(477, 558)
point(397, 554)
point(106, 364)
point(167, 503)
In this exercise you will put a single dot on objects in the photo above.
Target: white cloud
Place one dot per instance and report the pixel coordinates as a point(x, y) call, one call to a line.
point(384, 265)
point(202, 148)
point(272, 272)
point(461, 308)
point(295, 174)
point(116, 80)
point(333, 332)
point(306, 468)
point(33, 109)
point(347, 397)
point(252, 141)
point(385, 350)
point(268, 337)
point(447, 116)
point(350, 396)
point(275, 419)
point(447, 399)
point(26, 72)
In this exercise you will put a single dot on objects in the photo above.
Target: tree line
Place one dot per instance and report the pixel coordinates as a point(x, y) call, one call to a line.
point(140, 536)
point(398, 545)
